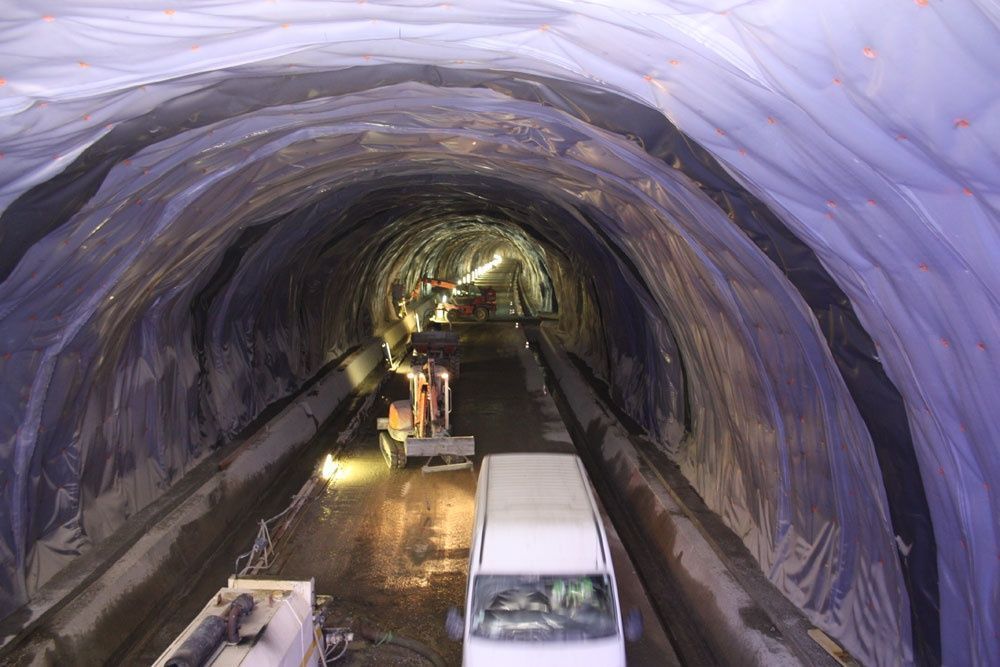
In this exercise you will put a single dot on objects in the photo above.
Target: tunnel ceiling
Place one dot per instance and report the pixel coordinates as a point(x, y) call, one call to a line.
point(771, 227)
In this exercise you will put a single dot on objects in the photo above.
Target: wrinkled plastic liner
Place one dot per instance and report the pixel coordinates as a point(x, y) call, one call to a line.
point(183, 246)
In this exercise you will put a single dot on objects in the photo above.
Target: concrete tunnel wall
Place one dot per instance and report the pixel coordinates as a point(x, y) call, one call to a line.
point(771, 227)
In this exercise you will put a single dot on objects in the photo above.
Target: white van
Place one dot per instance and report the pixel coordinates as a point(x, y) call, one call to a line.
point(541, 588)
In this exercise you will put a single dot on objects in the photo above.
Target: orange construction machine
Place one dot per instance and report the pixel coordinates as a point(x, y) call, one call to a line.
point(421, 424)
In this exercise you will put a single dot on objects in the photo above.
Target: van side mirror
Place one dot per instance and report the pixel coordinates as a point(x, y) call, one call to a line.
point(454, 624)
point(633, 625)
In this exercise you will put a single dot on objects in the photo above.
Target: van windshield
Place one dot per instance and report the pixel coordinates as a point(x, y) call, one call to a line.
point(543, 608)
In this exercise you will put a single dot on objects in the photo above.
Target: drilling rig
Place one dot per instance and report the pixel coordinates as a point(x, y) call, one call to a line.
point(420, 425)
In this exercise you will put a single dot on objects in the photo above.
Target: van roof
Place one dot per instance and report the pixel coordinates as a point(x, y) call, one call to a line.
point(539, 517)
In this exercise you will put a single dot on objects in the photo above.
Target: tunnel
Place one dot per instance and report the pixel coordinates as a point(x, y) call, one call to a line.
point(770, 228)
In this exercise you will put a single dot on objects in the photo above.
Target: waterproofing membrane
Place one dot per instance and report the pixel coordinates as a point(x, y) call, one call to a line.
point(171, 281)
point(296, 154)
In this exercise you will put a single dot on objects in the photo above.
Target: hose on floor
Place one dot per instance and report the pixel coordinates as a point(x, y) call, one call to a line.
point(380, 637)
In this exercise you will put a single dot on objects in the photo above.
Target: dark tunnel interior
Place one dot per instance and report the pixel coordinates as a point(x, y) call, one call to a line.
point(201, 261)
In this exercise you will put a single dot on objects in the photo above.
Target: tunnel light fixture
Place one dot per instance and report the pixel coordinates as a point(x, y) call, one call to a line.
point(329, 467)
point(480, 270)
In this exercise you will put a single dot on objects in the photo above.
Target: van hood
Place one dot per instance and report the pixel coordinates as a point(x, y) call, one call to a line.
point(608, 652)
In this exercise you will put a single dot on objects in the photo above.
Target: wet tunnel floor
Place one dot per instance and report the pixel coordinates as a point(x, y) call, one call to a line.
point(390, 548)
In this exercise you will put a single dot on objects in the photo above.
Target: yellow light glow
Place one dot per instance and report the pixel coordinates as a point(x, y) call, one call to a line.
point(343, 471)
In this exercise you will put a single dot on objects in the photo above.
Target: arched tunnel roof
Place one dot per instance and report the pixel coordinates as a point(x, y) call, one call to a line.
point(771, 226)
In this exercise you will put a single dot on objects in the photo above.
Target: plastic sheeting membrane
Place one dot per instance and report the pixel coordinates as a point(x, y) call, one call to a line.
point(772, 227)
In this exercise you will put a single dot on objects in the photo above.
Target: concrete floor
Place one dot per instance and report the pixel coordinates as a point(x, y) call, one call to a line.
point(390, 547)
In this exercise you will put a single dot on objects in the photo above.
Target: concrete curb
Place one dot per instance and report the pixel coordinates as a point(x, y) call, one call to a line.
point(88, 628)
point(733, 622)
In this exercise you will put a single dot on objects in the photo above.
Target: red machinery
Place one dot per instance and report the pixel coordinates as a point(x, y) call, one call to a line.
point(461, 301)
point(472, 301)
